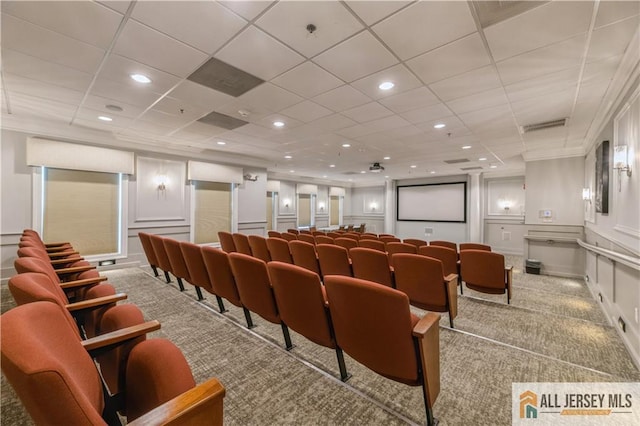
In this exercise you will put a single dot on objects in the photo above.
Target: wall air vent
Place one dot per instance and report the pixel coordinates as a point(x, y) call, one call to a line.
point(459, 160)
point(544, 125)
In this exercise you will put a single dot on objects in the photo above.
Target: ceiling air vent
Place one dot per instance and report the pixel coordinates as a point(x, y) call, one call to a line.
point(466, 169)
point(544, 125)
point(459, 160)
point(224, 78)
point(222, 120)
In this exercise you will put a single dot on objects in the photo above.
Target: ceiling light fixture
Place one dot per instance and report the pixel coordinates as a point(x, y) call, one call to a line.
point(141, 78)
point(221, 143)
point(292, 171)
point(466, 147)
point(278, 123)
point(387, 158)
point(332, 165)
point(413, 166)
point(439, 126)
point(493, 166)
point(482, 159)
point(433, 172)
point(363, 171)
point(105, 118)
point(346, 145)
point(288, 157)
point(386, 85)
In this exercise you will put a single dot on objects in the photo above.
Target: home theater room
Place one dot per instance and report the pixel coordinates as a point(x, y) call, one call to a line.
point(309, 212)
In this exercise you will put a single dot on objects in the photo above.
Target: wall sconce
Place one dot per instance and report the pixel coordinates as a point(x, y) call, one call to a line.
point(505, 205)
point(286, 202)
point(373, 206)
point(161, 181)
point(321, 206)
point(586, 194)
point(621, 162)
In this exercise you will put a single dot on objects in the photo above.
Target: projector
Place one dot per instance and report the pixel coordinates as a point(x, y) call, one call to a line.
point(376, 168)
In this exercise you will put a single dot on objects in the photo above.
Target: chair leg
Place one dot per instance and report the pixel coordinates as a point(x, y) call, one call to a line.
point(180, 283)
point(450, 320)
point(431, 421)
point(167, 277)
point(287, 337)
point(461, 286)
point(247, 316)
point(344, 376)
point(155, 270)
point(221, 305)
point(199, 293)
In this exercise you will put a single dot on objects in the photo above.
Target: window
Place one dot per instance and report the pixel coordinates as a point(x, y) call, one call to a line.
point(212, 211)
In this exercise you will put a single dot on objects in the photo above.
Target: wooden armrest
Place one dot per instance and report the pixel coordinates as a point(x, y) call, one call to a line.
point(451, 277)
point(57, 249)
point(65, 260)
point(57, 244)
point(427, 332)
point(63, 253)
point(200, 405)
point(105, 342)
point(451, 286)
point(70, 285)
point(74, 269)
point(96, 302)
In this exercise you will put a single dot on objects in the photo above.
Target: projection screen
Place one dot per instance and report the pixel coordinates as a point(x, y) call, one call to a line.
point(441, 202)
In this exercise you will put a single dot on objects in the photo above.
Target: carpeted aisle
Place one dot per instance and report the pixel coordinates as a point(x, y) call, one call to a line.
point(553, 331)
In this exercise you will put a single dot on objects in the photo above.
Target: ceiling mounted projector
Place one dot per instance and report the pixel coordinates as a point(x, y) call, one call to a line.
point(376, 168)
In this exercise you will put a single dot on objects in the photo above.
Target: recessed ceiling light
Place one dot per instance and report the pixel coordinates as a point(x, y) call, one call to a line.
point(221, 143)
point(482, 159)
point(350, 180)
point(332, 165)
point(346, 145)
point(105, 118)
point(432, 172)
point(493, 166)
point(324, 176)
point(363, 171)
point(292, 171)
point(466, 147)
point(386, 85)
point(387, 158)
point(413, 166)
point(278, 123)
point(439, 126)
point(288, 157)
point(141, 78)
point(386, 177)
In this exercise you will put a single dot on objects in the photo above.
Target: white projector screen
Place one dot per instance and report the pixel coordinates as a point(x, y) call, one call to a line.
point(440, 202)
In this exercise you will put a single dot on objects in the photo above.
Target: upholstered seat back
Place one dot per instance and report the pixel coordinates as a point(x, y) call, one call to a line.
point(386, 239)
point(301, 302)
point(447, 256)
point(334, 260)
point(279, 250)
point(192, 255)
point(323, 239)
point(34, 264)
point(241, 242)
point(416, 242)
point(422, 279)
point(373, 244)
point(220, 275)
point(373, 324)
point(371, 265)
point(52, 374)
point(147, 247)
point(274, 234)
point(395, 247)
point(484, 269)
point(226, 241)
point(304, 255)
point(178, 265)
point(307, 238)
point(447, 244)
point(254, 286)
point(161, 253)
point(259, 247)
point(289, 236)
point(474, 246)
point(347, 243)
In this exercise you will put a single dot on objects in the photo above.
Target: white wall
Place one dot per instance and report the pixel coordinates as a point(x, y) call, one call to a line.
point(365, 205)
point(555, 185)
point(252, 213)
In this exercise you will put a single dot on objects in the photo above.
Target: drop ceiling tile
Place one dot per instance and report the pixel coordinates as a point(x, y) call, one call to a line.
point(373, 11)
point(490, 98)
point(164, 119)
point(407, 101)
point(342, 98)
point(91, 117)
point(269, 129)
point(613, 39)
point(399, 75)
point(146, 128)
point(38, 89)
point(330, 123)
point(425, 114)
point(171, 105)
point(475, 81)
point(47, 72)
point(47, 45)
point(148, 46)
point(120, 92)
point(354, 131)
point(601, 70)
point(367, 112)
point(543, 85)
point(306, 111)
point(287, 21)
point(94, 125)
point(424, 26)
point(299, 79)
point(203, 129)
point(544, 108)
point(542, 26)
point(550, 59)
point(119, 69)
point(452, 59)
point(119, 6)
point(210, 25)
point(356, 57)
point(593, 91)
point(487, 116)
point(247, 9)
point(269, 97)
point(612, 11)
point(99, 103)
point(87, 22)
point(196, 94)
point(268, 57)
point(387, 124)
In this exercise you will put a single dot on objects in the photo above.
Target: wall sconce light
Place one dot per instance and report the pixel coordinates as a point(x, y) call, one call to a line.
point(161, 181)
point(586, 194)
point(373, 206)
point(505, 205)
point(621, 159)
point(321, 207)
point(286, 202)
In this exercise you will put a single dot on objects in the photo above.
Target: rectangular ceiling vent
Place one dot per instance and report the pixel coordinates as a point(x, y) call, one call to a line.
point(544, 125)
point(466, 169)
point(459, 160)
point(224, 78)
point(350, 173)
point(221, 120)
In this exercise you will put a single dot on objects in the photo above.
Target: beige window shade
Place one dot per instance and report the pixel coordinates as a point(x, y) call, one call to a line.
point(269, 210)
point(82, 208)
point(212, 211)
point(335, 211)
point(304, 210)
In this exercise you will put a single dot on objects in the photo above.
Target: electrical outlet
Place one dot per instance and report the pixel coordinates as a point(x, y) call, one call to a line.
point(428, 231)
point(622, 325)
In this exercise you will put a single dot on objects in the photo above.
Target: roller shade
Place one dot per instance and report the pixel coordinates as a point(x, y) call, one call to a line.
point(209, 172)
point(273, 186)
point(303, 188)
point(336, 191)
point(71, 156)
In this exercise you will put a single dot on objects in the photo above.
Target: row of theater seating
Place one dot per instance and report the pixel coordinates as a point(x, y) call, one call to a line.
point(51, 347)
point(342, 312)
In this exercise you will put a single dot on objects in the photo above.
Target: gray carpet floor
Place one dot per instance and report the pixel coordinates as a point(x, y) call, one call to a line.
point(553, 331)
